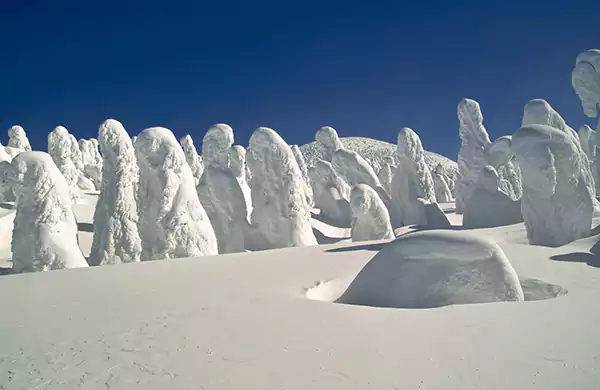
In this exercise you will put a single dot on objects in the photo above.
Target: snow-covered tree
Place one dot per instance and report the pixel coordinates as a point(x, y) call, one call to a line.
point(220, 192)
point(281, 215)
point(192, 157)
point(331, 193)
point(412, 185)
point(6, 191)
point(91, 168)
point(116, 238)
point(172, 221)
point(586, 81)
point(442, 191)
point(96, 151)
point(587, 138)
point(386, 174)
point(557, 204)
point(18, 139)
point(302, 164)
point(59, 148)
point(370, 217)
point(237, 165)
point(45, 230)
point(501, 157)
point(328, 142)
point(76, 156)
point(471, 157)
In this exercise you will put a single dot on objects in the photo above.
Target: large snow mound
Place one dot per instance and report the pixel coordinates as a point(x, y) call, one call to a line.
point(375, 152)
point(435, 268)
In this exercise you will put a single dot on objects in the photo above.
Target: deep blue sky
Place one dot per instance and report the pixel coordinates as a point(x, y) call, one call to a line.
point(292, 66)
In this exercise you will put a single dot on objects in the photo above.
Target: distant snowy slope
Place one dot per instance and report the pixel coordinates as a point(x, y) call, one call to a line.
point(374, 151)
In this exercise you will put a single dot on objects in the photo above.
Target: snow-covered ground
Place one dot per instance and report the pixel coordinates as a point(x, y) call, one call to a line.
point(267, 320)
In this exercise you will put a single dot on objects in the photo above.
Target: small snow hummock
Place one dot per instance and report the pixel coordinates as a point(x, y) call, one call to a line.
point(45, 230)
point(488, 206)
point(435, 268)
point(586, 81)
point(557, 204)
point(116, 237)
point(331, 193)
point(471, 157)
point(412, 185)
point(192, 157)
point(442, 190)
point(18, 139)
point(281, 215)
point(220, 192)
point(370, 217)
point(328, 142)
point(172, 223)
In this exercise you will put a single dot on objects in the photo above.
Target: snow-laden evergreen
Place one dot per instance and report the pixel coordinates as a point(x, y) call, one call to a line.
point(60, 149)
point(331, 193)
point(586, 81)
point(172, 222)
point(237, 165)
point(501, 157)
point(192, 157)
point(45, 230)
point(116, 238)
point(442, 191)
point(328, 142)
point(302, 164)
point(18, 139)
point(281, 215)
point(370, 217)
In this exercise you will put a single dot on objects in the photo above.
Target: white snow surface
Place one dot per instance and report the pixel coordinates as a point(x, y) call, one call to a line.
point(116, 237)
point(586, 81)
point(471, 157)
point(370, 217)
point(433, 269)
point(281, 215)
point(557, 204)
point(18, 139)
point(45, 231)
point(172, 221)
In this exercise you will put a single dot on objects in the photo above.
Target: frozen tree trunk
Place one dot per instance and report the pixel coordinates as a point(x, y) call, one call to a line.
point(442, 191)
point(220, 191)
point(471, 157)
point(59, 147)
point(539, 112)
point(18, 139)
point(356, 170)
point(45, 230)
point(501, 157)
point(412, 185)
point(557, 205)
point(281, 215)
point(237, 165)
point(370, 217)
point(192, 157)
point(172, 222)
point(328, 142)
point(116, 238)
point(331, 194)
point(302, 164)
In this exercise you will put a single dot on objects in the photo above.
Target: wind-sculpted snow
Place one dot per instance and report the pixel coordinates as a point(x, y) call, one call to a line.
point(116, 237)
point(501, 157)
point(557, 204)
point(377, 153)
point(220, 192)
point(490, 207)
point(60, 149)
point(45, 230)
point(18, 139)
point(331, 193)
point(356, 170)
point(412, 185)
point(586, 81)
point(471, 157)
point(435, 268)
point(442, 191)
point(172, 221)
point(328, 142)
point(281, 215)
point(302, 164)
point(539, 112)
point(370, 217)
point(192, 157)
point(237, 165)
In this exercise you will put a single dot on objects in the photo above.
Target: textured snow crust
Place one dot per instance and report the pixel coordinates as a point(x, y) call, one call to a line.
point(433, 269)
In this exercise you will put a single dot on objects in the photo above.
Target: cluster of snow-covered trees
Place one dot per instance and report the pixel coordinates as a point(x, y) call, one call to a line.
point(161, 199)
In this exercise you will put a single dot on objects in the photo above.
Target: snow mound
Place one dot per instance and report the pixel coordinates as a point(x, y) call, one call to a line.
point(45, 231)
point(432, 269)
point(370, 217)
point(376, 152)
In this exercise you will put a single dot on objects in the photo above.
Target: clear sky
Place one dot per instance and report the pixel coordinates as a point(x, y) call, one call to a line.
point(366, 70)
